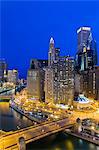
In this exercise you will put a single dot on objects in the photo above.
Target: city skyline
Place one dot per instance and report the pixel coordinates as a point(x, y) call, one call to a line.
point(26, 34)
point(49, 75)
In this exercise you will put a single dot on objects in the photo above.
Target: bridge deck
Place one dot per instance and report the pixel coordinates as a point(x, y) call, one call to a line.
point(10, 140)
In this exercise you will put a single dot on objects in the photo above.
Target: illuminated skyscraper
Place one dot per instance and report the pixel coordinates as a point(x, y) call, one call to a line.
point(86, 77)
point(86, 56)
point(83, 34)
point(51, 54)
point(59, 77)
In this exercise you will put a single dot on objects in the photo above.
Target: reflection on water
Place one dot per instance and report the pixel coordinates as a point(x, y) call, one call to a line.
point(10, 119)
point(61, 141)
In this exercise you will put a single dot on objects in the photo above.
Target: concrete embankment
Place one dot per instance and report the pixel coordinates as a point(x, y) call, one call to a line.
point(82, 136)
point(26, 115)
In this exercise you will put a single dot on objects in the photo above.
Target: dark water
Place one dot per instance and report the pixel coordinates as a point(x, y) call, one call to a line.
point(10, 119)
point(61, 141)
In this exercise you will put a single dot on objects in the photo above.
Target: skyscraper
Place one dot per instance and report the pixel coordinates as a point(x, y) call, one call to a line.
point(35, 79)
point(51, 53)
point(83, 34)
point(86, 56)
point(86, 77)
point(59, 77)
point(93, 47)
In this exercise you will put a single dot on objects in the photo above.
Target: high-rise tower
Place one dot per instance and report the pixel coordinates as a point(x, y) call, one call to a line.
point(51, 53)
point(86, 56)
point(59, 77)
point(83, 34)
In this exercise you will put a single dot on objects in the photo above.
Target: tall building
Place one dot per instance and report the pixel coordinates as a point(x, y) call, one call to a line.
point(93, 83)
point(3, 70)
point(49, 85)
point(83, 34)
point(86, 56)
point(87, 83)
point(13, 76)
point(53, 53)
point(63, 74)
point(86, 72)
point(35, 79)
point(38, 63)
point(93, 47)
point(34, 85)
point(59, 78)
point(78, 80)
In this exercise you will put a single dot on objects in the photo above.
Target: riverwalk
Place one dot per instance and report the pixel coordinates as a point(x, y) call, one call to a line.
point(88, 138)
point(19, 110)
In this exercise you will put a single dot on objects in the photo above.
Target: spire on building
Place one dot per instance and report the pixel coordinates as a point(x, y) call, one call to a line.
point(51, 40)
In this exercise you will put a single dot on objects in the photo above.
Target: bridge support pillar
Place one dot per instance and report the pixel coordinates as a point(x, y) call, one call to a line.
point(21, 144)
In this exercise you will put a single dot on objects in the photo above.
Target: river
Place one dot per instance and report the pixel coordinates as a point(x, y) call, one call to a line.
point(11, 120)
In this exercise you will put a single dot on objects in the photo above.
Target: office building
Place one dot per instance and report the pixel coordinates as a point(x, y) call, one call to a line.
point(59, 77)
point(34, 84)
point(49, 85)
point(86, 56)
point(63, 74)
point(12, 76)
point(36, 78)
point(38, 63)
point(83, 34)
point(3, 70)
point(87, 83)
point(53, 53)
point(78, 80)
point(93, 83)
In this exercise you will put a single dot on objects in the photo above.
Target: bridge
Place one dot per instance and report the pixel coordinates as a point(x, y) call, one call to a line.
point(17, 140)
point(7, 91)
point(5, 97)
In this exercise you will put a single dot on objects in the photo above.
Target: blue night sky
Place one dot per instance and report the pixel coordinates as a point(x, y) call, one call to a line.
point(26, 27)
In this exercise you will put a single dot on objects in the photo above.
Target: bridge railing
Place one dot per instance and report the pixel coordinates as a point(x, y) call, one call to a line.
point(31, 134)
point(34, 126)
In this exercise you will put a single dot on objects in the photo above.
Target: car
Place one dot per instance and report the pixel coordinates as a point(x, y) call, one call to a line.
point(30, 113)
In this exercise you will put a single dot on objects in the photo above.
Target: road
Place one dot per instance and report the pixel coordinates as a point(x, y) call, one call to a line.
point(10, 139)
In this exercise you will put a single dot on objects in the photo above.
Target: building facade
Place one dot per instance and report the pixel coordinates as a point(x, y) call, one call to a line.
point(86, 56)
point(87, 83)
point(93, 83)
point(36, 78)
point(12, 76)
point(59, 77)
point(86, 72)
point(3, 70)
